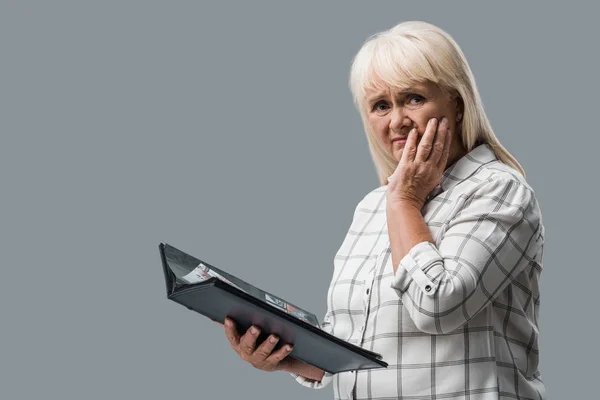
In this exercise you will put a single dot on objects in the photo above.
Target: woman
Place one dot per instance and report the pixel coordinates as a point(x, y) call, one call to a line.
point(439, 270)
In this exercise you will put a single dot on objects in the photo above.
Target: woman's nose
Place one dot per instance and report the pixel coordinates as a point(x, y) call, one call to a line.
point(398, 119)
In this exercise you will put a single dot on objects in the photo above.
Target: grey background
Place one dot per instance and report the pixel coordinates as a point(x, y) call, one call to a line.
point(229, 132)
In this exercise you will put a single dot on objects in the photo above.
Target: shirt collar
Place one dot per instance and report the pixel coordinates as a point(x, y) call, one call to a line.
point(465, 167)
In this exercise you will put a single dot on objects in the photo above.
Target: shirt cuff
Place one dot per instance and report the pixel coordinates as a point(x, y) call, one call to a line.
point(413, 269)
point(311, 383)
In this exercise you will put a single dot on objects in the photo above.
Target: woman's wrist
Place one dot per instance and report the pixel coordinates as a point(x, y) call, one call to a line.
point(301, 368)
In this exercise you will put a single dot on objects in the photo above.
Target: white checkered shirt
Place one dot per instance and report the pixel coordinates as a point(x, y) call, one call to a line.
point(459, 320)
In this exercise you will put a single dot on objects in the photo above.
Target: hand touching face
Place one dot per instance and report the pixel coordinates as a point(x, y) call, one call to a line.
point(421, 167)
point(393, 113)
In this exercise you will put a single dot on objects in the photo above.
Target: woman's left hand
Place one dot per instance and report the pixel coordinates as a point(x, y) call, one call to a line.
point(420, 168)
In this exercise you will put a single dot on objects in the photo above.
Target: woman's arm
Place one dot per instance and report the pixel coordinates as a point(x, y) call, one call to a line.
point(265, 358)
point(303, 369)
point(496, 234)
point(306, 374)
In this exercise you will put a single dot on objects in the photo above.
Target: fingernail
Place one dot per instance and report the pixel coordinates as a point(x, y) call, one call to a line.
point(288, 348)
point(272, 339)
point(444, 121)
point(434, 121)
point(227, 322)
point(253, 330)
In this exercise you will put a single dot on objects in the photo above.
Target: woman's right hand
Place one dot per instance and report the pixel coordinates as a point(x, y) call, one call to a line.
point(261, 357)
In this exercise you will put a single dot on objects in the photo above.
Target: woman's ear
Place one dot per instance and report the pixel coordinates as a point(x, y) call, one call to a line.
point(460, 108)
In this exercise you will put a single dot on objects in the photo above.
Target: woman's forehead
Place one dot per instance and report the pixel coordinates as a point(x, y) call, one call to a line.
point(384, 88)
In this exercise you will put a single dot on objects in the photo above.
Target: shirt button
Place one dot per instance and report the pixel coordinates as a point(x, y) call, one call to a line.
point(428, 288)
point(367, 291)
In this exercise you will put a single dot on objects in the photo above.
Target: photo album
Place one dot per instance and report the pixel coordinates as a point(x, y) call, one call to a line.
point(203, 272)
point(205, 289)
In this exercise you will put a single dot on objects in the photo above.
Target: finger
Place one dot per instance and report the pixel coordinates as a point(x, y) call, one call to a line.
point(232, 334)
point(426, 144)
point(410, 148)
point(446, 154)
point(280, 354)
point(264, 350)
point(390, 178)
point(439, 143)
point(248, 341)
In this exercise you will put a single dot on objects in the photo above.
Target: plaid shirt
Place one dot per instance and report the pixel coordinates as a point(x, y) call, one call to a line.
point(459, 319)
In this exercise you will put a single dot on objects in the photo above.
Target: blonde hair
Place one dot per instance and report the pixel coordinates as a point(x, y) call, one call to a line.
point(415, 52)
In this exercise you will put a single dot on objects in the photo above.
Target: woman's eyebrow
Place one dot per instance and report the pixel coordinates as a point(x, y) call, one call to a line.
point(410, 89)
point(402, 92)
point(376, 97)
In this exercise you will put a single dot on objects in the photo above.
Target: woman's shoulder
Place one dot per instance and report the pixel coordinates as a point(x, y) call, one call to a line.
point(373, 197)
point(500, 185)
point(372, 201)
point(500, 189)
point(498, 174)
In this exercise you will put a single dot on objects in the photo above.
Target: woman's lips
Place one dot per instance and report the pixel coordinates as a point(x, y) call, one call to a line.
point(399, 141)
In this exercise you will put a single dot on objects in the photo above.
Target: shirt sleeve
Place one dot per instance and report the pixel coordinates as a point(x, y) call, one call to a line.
point(327, 377)
point(326, 380)
point(494, 236)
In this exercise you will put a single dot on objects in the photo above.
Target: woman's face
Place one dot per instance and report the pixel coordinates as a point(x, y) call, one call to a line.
point(392, 114)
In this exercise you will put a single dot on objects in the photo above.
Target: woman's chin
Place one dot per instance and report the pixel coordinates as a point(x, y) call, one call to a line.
point(397, 154)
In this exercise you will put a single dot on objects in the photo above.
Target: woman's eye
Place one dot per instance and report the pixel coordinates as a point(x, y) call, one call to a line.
point(378, 106)
point(415, 99)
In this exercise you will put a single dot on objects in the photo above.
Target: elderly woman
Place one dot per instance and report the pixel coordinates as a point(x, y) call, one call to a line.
point(440, 268)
